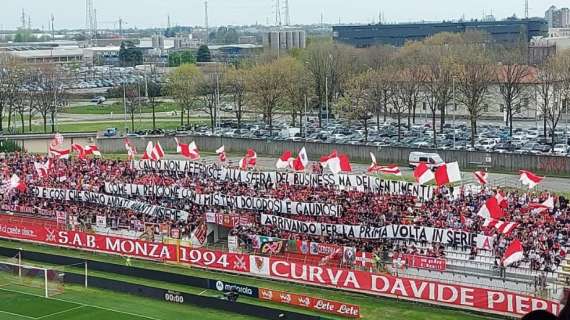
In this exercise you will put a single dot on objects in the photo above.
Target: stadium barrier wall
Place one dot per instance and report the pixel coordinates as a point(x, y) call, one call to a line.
point(361, 153)
point(453, 295)
point(186, 298)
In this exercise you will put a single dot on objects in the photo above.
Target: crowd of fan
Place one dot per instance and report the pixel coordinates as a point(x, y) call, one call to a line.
point(544, 235)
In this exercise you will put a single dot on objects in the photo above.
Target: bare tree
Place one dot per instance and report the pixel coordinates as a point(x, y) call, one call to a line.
point(235, 85)
point(511, 77)
point(207, 88)
point(299, 91)
point(474, 75)
point(399, 107)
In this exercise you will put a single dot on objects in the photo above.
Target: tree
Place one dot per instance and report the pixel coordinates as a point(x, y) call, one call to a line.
point(398, 96)
point(154, 90)
point(131, 100)
point(474, 75)
point(181, 85)
point(438, 84)
point(412, 75)
point(130, 55)
point(175, 59)
point(208, 89)
point(203, 54)
point(380, 92)
point(511, 77)
point(298, 90)
point(235, 84)
point(11, 77)
point(50, 95)
point(357, 103)
point(265, 87)
point(330, 66)
point(553, 91)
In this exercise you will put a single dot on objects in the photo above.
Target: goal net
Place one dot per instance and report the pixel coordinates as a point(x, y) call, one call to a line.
point(34, 280)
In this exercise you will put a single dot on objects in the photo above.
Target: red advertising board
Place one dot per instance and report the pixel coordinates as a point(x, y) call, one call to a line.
point(319, 305)
point(456, 295)
point(227, 220)
point(422, 262)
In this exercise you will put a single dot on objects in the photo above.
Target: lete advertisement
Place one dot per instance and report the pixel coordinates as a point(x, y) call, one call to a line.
point(315, 304)
point(453, 295)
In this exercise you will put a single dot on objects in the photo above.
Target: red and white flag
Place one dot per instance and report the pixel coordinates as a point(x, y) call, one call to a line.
point(339, 164)
point(447, 173)
point(284, 161)
point(42, 169)
point(501, 199)
point(530, 179)
point(85, 151)
point(423, 174)
point(301, 162)
point(189, 151)
point(514, 253)
point(57, 140)
point(221, 152)
point(482, 177)
point(16, 183)
point(153, 152)
point(375, 168)
point(250, 159)
point(59, 154)
point(547, 205)
point(131, 149)
point(491, 210)
point(325, 159)
point(501, 226)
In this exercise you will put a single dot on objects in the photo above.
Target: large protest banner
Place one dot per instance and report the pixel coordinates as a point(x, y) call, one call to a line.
point(222, 200)
point(328, 180)
point(109, 201)
point(450, 237)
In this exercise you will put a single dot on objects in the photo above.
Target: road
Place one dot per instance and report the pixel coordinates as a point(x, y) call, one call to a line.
point(496, 179)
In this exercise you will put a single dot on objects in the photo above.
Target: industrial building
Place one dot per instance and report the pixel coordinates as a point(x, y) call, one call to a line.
point(508, 31)
point(285, 39)
point(557, 18)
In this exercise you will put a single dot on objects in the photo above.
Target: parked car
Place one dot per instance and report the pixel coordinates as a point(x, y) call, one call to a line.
point(560, 149)
point(99, 100)
point(110, 132)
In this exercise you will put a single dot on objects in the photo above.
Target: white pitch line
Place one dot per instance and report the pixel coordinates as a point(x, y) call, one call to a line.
point(17, 315)
point(202, 292)
point(60, 312)
point(80, 304)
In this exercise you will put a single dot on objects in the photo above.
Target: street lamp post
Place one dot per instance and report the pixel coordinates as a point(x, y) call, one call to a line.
point(454, 111)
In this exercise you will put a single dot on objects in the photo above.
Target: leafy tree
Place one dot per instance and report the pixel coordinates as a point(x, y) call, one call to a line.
point(235, 84)
point(130, 55)
point(203, 54)
point(181, 85)
point(176, 59)
point(357, 104)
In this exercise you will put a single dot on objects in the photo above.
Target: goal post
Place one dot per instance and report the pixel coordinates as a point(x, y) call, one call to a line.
point(38, 280)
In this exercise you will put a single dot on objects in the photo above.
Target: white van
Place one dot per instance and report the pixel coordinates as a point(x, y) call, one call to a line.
point(433, 160)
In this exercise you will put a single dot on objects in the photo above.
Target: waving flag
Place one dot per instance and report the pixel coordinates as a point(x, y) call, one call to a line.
point(189, 151)
point(250, 159)
point(530, 179)
point(42, 169)
point(131, 149)
point(301, 162)
point(57, 140)
point(153, 152)
point(547, 205)
point(59, 154)
point(491, 210)
point(325, 159)
point(514, 253)
point(221, 152)
point(423, 174)
point(284, 161)
point(375, 168)
point(482, 177)
point(339, 164)
point(503, 227)
point(16, 183)
point(85, 151)
point(447, 173)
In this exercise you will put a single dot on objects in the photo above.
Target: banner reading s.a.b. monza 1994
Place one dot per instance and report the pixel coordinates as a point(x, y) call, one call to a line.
point(454, 295)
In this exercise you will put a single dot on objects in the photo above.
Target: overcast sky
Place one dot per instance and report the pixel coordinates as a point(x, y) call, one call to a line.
point(145, 13)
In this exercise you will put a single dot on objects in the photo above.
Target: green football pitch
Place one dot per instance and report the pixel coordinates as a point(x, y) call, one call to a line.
point(86, 304)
